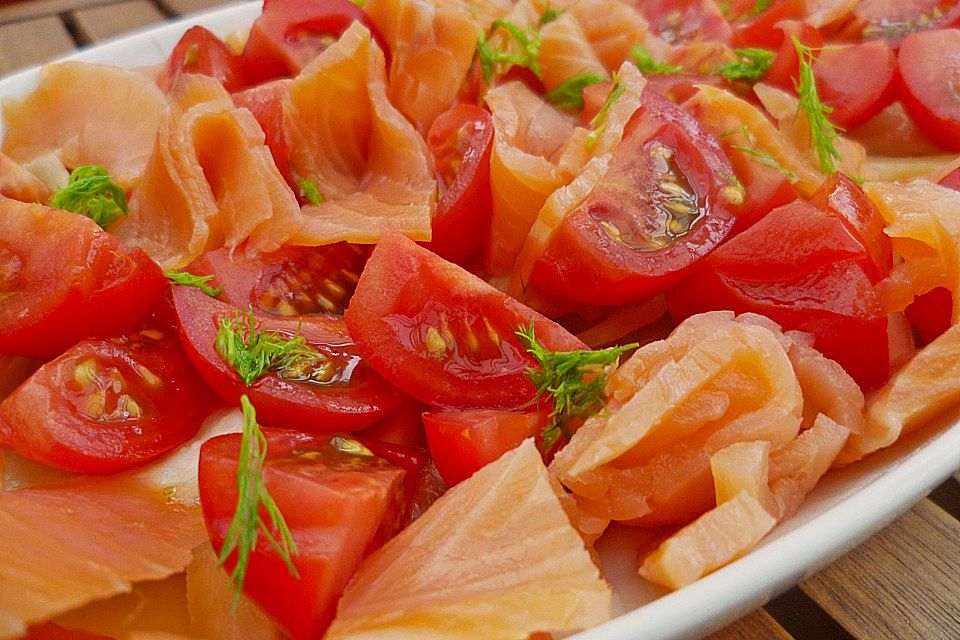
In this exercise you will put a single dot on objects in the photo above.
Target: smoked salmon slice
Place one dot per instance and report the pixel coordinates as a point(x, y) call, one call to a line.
point(432, 43)
point(87, 114)
point(565, 52)
point(65, 547)
point(19, 184)
point(369, 164)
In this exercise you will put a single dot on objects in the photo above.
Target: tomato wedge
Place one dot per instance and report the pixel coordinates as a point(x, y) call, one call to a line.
point(339, 505)
point(461, 140)
point(200, 51)
point(857, 82)
point(441, 334)
point(785, 70)
point(760, 30)
point(344, 395)
point(462, 442)
point(62, 278)
point(106, 405)
point(291, 33)
point(660, 208)
point(294, 281)
point(929, 66)
point(930, 314)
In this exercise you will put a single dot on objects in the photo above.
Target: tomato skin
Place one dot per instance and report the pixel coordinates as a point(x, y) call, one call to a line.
point(929, 64)
point(292, 281)
point(155, 401)
point(338, 506)
point(265, 102)
point(200, 51)
point(338, 405)
point(66, 279)
point(462, 442)
point(785, 70)
point(842, 197)
point(407, 295)
point(805, 270)
point(686, 21)
point(404, 427)
point(930, 314)
point(291, 33)
point(857, 82)
point(583, 262)
point(760, 31)
point(894, 20)
point(462, 137)
point(951, 180)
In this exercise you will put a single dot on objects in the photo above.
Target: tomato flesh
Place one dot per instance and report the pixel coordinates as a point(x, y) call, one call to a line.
point(760, 30)
point(343, 394)
point(785, 70)
point(291, 33)
point(658, 210)
point(461, 140)
point(200, 51)
point(804, 269)
point(894, 20)
point(857, 82)
point(106, 405)
point(293, 281)
point(62, 278)
point(265, 102)
point(930, 314)
point(339, 507)
point(441, 334)
point(462, 442)
point(686, 21)
point(930, 84)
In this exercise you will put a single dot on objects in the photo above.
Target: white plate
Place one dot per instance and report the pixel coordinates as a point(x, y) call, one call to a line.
point(846, 508)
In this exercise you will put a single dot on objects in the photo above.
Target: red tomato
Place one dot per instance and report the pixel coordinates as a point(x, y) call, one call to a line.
point(291, 33)
point(931, 314)
point(857, 82)
point(51, 631)
point(339, 507)
point(594, 96)
point(294, 281)
point(344, 395)
point(894, 20)
point(443, 335)
point(200, 51)
point(462, 442)
point(404, 426)
point(106, 405)
point(929, 67)
point(785, 70)
point(62, 278)
point(659, 209)
point(685, 21)
point(760, 31)
point(951, 180)
point(265, 102)
point(460, 140)
point(840, 196)
point(803, 269)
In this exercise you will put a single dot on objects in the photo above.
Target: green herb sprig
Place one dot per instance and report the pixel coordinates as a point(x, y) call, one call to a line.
point(751, 65)
point(823, 134)
point(310, 192)
point(598, 122)
point(644, 60)
point(187, 279)
point(569, 94)
point(489, 57)
point(574, 380)
point(91, 192)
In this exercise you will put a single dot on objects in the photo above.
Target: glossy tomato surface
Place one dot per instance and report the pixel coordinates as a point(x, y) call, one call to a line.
point(894, 20)
point(804, 269)
point(62, 278)
point(291, 33)
point(462, 442)
point(107, 405)
point(857, 82)
point(342, 394)
point(686, 21)
point(443, 335)
point(200, 51)
point(785, 70)
point(460, 140)
point(293, 281)
point(931, 314)
point(339, 504)
point(929, 66)
point(658, 210)
point(759, 29)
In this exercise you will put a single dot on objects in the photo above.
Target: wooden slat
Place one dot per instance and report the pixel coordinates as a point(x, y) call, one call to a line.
point(100, 23)
point(759, 625)
point(32, 42)
point(183, 7)
point(902, 583)
point(24, 9)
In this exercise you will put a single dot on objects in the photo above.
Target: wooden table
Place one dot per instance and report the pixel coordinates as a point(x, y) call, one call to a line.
point(903, 583)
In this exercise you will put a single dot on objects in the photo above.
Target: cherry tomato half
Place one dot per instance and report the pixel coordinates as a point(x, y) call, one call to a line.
point(441, 334)
point(291, 33)
point(343, 394)
point(857, 82)
point(339, 504)
point(461, 140)
point(894, 20)
point(929, 68)
point(686, 21)
point(200, 51)
point(660, 208)
point(785, 70)
point(106, 405)
point(759, 30)
point(62, 278)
